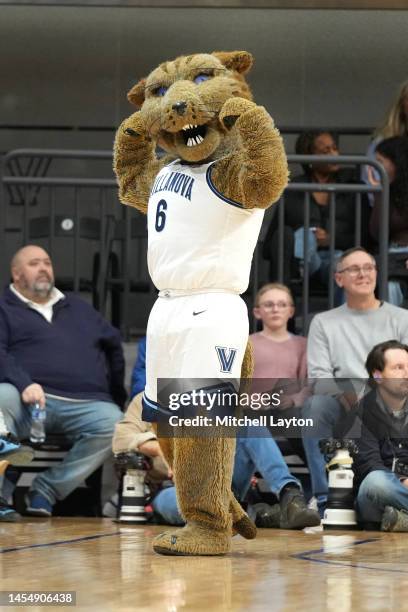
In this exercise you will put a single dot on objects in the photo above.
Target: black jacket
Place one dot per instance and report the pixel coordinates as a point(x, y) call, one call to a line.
point(319, 215)
point(383, 438)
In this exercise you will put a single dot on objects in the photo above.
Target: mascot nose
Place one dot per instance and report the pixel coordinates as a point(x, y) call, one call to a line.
point(180, 108)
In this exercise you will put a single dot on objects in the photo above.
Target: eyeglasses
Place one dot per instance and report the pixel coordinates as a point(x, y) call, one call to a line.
point(278, 305)
point(354, 271)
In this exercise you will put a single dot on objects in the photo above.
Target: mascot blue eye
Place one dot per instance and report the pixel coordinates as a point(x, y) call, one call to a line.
point(160, 91)
point(201, 77)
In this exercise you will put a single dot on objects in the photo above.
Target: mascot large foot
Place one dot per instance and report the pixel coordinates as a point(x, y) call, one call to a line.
point(193, 539)
point(241, 523)
point(196, 539)
point(202, 474)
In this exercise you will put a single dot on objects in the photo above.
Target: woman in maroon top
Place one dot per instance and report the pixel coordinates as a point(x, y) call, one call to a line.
point(277, 352)
point(279, 356)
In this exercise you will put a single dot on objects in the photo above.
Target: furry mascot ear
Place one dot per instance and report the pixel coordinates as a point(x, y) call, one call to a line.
point(136, 95)
point(240, 61)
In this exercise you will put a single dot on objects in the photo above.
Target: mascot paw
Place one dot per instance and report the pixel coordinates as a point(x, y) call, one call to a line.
point(245, 528)
point(135, 128)
point(232, 109)
point(192, 540)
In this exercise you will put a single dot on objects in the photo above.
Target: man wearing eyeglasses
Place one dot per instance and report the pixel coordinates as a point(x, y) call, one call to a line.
point(338, 343)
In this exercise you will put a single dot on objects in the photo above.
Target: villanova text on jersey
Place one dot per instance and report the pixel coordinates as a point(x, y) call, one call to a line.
point(176, 182)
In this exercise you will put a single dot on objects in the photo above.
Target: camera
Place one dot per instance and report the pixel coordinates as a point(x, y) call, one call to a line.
point(400, 468)
point(131, 461)
point(331, 446)
point(339, 511)
point(131, 468)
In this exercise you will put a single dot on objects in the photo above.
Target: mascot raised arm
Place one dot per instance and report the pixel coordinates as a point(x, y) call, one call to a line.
point(205, 200)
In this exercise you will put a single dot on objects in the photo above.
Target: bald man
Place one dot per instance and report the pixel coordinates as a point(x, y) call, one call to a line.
point(58, 352)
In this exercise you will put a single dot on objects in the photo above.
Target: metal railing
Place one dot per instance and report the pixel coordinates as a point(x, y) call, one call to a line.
point(72, 222)
point(333, 189)
point(55, 207)
point(53, 223)
point(38, 163)
point(109, 215)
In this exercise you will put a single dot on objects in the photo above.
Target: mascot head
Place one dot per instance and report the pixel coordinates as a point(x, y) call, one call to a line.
point(182, 99)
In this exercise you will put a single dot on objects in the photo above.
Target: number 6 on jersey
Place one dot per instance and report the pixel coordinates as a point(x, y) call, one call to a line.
point(161, 215)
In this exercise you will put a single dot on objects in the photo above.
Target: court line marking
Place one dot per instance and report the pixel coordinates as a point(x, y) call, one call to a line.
point(306, 556)
point(58, 542)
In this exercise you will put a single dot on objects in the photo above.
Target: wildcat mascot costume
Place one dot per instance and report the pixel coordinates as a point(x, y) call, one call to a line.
point(204, 201)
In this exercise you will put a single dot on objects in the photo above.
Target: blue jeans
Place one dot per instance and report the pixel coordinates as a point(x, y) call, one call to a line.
point(395, 294)
point(165, 504)
point(259, 452)
point(325, 412)
point(380, 489)
point(318, 259)
point(87, 425)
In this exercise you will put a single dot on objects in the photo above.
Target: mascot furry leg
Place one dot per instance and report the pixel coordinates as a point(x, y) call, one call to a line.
point(204, 494)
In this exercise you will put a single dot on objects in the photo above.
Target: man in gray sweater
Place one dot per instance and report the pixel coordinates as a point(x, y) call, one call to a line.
point(339, 341)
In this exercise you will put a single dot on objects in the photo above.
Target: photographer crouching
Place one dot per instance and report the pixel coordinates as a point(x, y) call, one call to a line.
point(381, 465)
point(134, 438)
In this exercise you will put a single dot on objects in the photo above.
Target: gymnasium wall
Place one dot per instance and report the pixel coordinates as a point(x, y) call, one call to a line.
point(73, 65)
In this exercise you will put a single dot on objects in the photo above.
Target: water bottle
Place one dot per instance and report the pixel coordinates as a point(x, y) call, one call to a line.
point(37, 431)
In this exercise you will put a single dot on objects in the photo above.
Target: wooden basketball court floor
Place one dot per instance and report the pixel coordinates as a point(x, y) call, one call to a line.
point(112, 567)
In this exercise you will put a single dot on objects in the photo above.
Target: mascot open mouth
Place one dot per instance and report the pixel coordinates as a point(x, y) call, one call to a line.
point(193, 135)
point(191, 141)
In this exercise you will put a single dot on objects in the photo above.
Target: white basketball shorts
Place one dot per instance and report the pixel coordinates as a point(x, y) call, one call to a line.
point(199, 336)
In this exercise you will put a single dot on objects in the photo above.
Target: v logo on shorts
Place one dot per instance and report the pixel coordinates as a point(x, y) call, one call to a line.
point(226, 357)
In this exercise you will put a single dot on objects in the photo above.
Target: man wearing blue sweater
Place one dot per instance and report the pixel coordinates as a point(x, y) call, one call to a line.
point(58, 352)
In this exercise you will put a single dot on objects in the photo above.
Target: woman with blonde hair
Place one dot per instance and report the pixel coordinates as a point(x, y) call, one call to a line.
point(394, 124)
point(396, 120)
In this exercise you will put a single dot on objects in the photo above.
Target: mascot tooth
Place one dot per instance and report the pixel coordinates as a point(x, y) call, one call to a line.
point(205, 199)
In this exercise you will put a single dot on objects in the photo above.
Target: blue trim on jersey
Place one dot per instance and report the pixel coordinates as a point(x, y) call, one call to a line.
point(152, 411)
point(217, 193)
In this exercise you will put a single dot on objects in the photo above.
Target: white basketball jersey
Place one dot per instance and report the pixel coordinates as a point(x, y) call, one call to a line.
point(198, 239)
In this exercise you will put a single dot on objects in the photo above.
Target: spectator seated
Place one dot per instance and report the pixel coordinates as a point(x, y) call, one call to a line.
point(59, 353)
